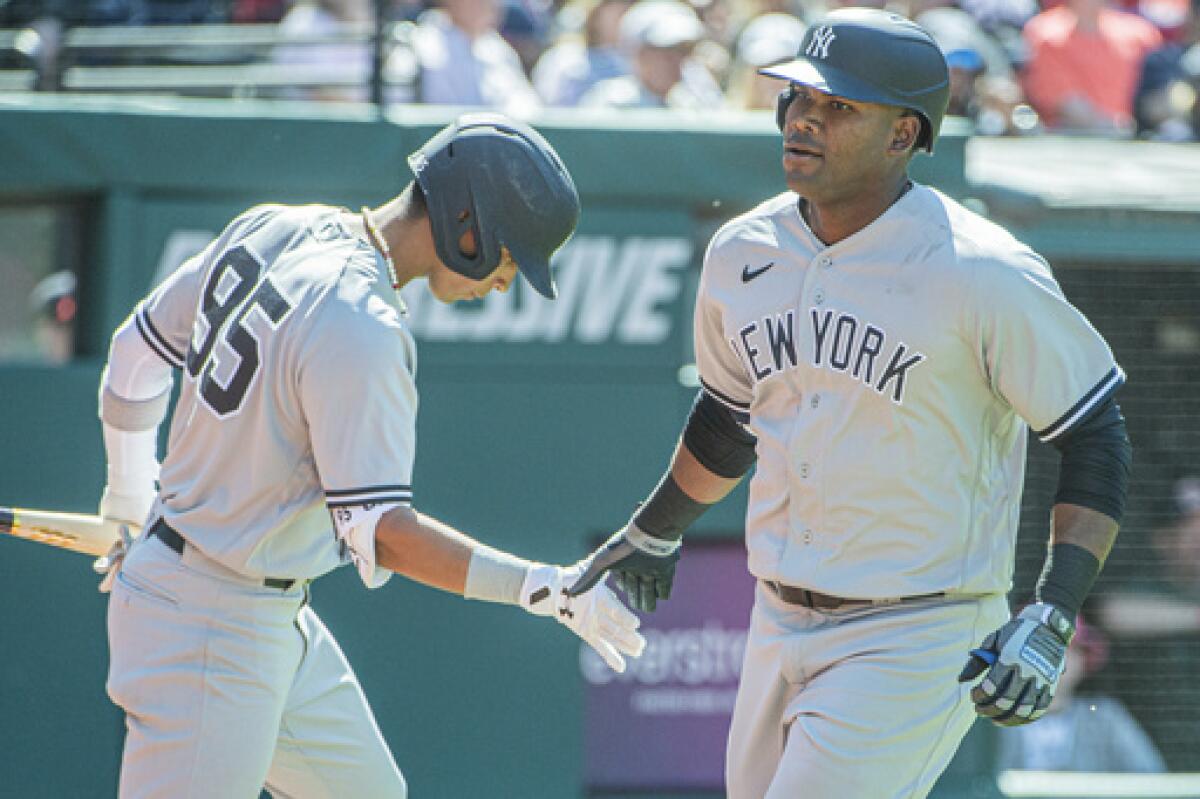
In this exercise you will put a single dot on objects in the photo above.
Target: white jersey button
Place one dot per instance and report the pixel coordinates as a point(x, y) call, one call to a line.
point(804, 470)
point(819, 296)
point(826, 261)
point(807, 536)
point(815, 401)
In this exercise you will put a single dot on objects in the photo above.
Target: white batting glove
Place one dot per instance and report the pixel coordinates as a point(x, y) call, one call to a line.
point(128, 509)
point(596, 616)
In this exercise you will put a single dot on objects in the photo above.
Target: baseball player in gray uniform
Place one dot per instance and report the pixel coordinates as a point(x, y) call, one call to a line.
point(881, 352)
point(291, 453)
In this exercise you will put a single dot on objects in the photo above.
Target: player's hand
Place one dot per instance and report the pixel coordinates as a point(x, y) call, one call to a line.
point(644, 566)
point(596, 616)
point(108, 565)
point(128, 509)
point(1023, 661)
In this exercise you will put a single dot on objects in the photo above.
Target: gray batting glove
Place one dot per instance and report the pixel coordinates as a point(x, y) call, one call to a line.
point(644, 566)
point(1023, 660)
point(596, 616)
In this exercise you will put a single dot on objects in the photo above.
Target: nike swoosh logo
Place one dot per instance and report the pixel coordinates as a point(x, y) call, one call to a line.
point(748, 274)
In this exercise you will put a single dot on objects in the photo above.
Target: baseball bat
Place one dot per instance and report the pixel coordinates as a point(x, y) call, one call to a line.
point(78, 532)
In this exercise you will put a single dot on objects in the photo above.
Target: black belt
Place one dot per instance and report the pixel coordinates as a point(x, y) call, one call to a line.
point(794, 595)
point(169, 536)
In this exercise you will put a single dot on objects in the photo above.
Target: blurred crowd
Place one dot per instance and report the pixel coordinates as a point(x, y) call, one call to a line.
point(1116, 68)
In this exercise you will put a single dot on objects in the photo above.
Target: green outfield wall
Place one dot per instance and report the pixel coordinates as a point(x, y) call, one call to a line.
point(541, 424)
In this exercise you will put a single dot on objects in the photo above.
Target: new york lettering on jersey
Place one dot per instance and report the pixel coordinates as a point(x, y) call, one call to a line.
point(964, 319)
point(839, 341)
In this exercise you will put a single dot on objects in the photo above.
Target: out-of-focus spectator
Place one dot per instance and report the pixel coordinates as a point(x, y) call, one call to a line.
point(347, 65)
point(463, 60)
point(251, 11)
point(54, 307)
point(1083, 66)
point(152, 12)
point(658, 37)
point(714, 51)
point(15, 13)
point(580, 60)
point(1169, 16)
point(1165, 104)
point(1004, 20)
point(1081, 732)
point(831, 5)
point(983, 85)
point(766, 40)
point(525, 25)
point(1155, 619)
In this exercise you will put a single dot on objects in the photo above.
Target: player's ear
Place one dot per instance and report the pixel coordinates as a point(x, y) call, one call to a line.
point(905, 131)
point(466, 242)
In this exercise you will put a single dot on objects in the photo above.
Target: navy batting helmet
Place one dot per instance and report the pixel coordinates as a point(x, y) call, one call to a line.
point(500, 179)
point(875, 57)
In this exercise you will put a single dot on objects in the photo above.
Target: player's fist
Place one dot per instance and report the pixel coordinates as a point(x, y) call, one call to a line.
point(109, 564)
point(596, 616)
point(644, 566)
point(131, 508)
point(1023, 661)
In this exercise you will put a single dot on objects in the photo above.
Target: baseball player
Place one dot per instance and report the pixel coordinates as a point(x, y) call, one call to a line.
point(291, 453)
point(881, 352)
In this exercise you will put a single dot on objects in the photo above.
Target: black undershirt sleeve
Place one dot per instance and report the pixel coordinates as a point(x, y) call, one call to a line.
point(717, 439)
point(1096, 460)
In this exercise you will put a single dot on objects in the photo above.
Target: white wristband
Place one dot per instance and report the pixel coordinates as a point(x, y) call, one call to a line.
point(650, 544)
point(495, 576)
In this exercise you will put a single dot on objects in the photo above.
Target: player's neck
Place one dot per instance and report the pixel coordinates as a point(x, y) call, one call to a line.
point(835, 220)
point(408, 238)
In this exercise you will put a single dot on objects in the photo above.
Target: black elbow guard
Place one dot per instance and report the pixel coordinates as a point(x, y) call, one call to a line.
point(717, 440)
point(1096, 461)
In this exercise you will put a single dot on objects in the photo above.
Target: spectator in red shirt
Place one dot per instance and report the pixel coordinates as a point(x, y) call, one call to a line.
point(1084, 59)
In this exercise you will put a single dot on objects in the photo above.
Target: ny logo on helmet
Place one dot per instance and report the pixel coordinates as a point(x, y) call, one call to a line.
point(818, 45)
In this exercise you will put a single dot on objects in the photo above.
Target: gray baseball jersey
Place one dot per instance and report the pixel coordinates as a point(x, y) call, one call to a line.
point(890, 379)
point(297, 394)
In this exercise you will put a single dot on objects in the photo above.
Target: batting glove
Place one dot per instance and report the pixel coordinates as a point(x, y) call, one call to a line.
point(1023, 660)
point(127, 509)
point(596, 616)
point(644, 566)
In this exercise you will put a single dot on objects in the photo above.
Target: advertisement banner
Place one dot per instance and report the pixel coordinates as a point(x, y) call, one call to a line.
point(662, 724)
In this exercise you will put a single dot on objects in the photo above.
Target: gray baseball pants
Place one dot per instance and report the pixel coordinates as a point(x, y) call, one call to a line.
point(861, 703)
point(230, 686)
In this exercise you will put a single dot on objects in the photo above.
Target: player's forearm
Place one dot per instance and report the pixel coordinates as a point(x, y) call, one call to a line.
point(423, 549)
point(433, 553)
point(711, 457)
point(1073, 524)
point(685, 493)
point(1093, 483)
point(1080, 540)
point(696, 480)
